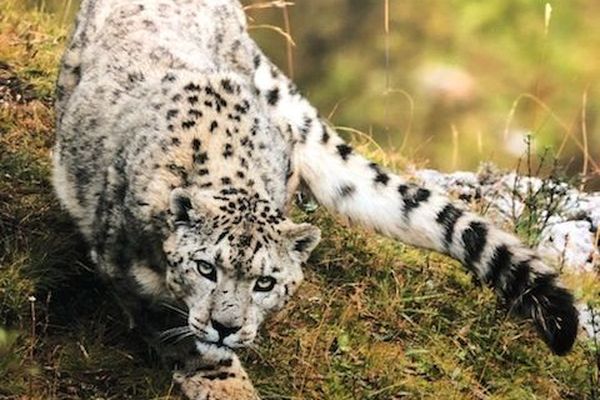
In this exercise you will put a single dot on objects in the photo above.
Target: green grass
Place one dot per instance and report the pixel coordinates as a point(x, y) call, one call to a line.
point(374, 319)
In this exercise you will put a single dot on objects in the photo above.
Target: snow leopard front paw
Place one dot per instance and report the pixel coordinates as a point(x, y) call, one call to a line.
point(215, 374)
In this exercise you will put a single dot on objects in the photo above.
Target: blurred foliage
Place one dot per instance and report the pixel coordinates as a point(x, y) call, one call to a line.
point(463, 63)
point(441, 85)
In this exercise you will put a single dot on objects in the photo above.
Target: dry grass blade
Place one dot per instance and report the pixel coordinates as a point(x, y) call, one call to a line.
point(584, 134)
point(568, 131)
point(411, 114)
point(455, 149)
point(367, 137)
point(288, 45)
point(269, 4)
point(276, 29)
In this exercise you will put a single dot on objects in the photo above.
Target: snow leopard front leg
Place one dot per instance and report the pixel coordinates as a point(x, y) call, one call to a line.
point(217, 374)
point(366, 193)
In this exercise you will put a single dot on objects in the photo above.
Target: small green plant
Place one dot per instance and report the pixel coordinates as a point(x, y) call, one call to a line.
point(542, 198)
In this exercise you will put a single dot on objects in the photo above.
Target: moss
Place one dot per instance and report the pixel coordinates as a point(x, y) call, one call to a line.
point(375, 319)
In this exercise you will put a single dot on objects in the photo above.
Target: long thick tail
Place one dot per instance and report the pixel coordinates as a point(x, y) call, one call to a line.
point(347, 183)
point(364, 192)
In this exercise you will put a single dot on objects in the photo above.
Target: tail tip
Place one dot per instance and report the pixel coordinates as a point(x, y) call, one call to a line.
point(561, 340)
point(555, 315)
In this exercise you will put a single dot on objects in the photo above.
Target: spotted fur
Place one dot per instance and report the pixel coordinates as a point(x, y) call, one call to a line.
point(216, 376)
point(179, 146)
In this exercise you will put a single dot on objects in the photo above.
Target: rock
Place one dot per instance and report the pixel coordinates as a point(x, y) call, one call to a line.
point(568, 219)
point(570, 244)
point(590, 321)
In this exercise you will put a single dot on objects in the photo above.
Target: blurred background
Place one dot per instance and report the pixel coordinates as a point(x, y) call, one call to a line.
point(445, 84)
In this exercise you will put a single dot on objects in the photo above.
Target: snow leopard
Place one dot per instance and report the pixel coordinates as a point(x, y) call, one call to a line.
point(179, 149)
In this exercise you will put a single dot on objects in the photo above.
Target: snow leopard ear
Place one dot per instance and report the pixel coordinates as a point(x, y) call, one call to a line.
point(301, 239)
point(180, 205)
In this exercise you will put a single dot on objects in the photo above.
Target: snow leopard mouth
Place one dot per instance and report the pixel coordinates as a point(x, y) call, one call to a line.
point(219, 344)
point(213, 347)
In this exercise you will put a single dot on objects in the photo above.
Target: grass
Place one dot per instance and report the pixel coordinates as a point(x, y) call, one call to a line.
point(374, 320)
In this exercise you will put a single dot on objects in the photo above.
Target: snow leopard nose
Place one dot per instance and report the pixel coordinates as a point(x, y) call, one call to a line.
point(223, 329)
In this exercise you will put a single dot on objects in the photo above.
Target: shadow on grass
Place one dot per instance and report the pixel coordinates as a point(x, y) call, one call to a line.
point(62, 334)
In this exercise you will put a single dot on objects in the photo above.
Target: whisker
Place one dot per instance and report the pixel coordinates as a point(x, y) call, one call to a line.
point(184, 336)
point(174, 332)
point(175, 308)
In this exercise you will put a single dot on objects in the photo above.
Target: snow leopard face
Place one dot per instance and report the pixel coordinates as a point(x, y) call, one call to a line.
point(232, 259)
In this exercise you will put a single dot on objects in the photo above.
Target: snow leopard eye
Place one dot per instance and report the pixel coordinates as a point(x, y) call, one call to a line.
point(207, 270)
point(264, 284)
